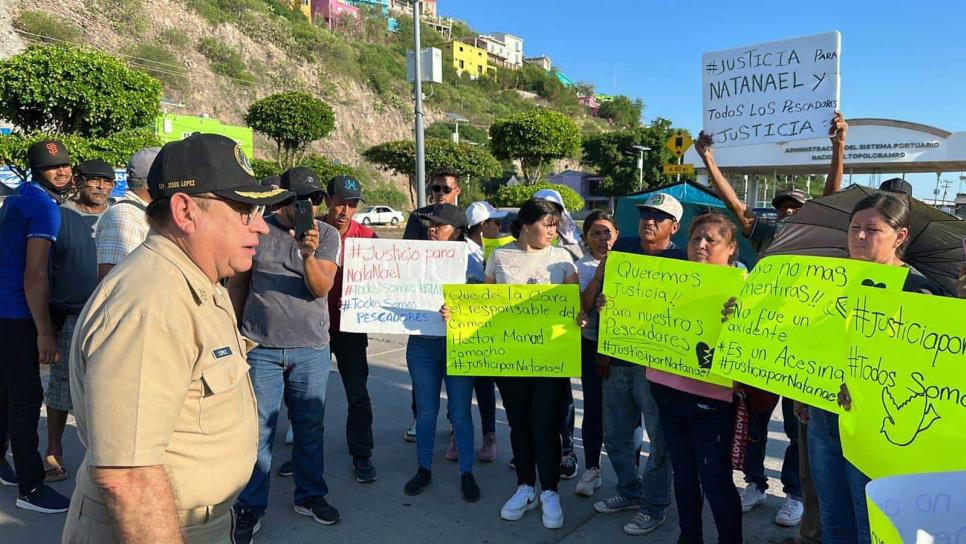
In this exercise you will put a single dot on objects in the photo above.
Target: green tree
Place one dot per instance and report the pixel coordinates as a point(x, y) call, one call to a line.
point(534, 137)
point(613, 155)
point(114, 149)
point(622, 111)
point(71, 90)
point(293, 120)
point(400, 157)
point(516, 195)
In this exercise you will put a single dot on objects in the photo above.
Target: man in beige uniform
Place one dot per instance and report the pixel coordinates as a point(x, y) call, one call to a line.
point(162, 397)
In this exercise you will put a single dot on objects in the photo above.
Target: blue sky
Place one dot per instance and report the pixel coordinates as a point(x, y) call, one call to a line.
point(900, 59)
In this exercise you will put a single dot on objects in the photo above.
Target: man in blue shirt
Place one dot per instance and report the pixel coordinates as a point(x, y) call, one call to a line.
point(29, 223)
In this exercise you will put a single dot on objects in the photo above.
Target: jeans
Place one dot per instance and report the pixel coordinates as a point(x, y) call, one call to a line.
point(592, 425)
point(811, 527)
point(349, 349)
point(627, 399)
point(534, 408)
point(755, 452)
point(426, 359)
point(699, 433)
point(839, 485)
point(300, 376)
point(21, 394)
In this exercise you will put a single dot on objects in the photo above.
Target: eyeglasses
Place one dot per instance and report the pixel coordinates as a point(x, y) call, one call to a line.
point(445, 189)
point(94, 181)
point(317, 199)
point(655, 215)
point(248, 211)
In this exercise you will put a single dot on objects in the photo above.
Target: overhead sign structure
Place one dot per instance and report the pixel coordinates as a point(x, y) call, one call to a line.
point(771, 92)
point(678, 143)
point(671, 169)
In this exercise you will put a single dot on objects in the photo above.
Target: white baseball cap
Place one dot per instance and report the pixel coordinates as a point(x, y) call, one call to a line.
point(480, 211)
point(665, 203)
point(551, 195)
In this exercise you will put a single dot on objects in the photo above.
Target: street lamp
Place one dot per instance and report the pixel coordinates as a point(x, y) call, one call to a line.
point(640, 165)
point(457, 119)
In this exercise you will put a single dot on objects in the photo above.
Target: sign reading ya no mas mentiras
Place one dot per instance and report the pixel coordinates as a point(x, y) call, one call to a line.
point(665, 313)
point(906, 373)
point(513, 330)
point(395, 286)
point(787, 334)
point(771, 92)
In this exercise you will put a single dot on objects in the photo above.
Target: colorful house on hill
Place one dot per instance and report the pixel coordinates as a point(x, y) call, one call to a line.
point(302, 6)
point(332, 13)
point(589, 102)
point(466, 59)
point(543, 62)
point(567, 82)
point(382, 6)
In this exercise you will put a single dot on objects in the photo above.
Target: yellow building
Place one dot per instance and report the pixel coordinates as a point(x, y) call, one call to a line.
point(466, 59)
point(304, 6)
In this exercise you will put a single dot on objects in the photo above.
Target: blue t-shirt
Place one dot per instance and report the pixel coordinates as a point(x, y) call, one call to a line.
point(31, 213)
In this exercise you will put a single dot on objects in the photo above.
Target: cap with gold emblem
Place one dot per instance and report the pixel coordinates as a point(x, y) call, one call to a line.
point(210, 163)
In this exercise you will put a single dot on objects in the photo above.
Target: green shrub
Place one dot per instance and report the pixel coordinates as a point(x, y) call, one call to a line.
point(126, 16)
point(162, 64)
point(48, 28)
point(210, 10)
point(226, 61)
point(115, 149)
point(174, 37)
point(516, 195)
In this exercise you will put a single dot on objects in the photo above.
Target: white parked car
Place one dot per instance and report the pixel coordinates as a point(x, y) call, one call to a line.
point(379, 215)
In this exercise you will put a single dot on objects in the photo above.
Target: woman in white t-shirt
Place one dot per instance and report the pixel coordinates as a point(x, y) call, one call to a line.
point(534, 406)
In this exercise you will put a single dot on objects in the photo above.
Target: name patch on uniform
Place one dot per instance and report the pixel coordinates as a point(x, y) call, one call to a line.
point(221, 353)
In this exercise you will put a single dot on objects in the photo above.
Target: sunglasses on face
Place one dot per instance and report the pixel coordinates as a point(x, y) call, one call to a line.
point(655, 215)
point(317, 199)
point(445, 189)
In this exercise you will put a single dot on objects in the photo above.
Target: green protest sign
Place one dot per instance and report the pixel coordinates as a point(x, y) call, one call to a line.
point(786, 334)
point(513, 330)
point(906, 374)
point(665, 313)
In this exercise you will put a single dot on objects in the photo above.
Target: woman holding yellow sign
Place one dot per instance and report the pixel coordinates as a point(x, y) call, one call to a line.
point(698, 417)
point(534, 406)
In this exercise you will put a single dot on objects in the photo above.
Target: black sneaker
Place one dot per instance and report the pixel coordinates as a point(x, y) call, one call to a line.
point(471, 491)
point(247, 523)
point(45, 500)
point(568, 466)
point(363, 470)
point(285, 470)
point(8, 476)
point(419, 482)
point(321, 511)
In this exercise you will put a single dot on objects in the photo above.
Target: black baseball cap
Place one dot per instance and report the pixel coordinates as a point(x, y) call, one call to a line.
point(302, 181)
point(797, 195)
point(272, 181)
point(896, 185)
point(446, 214)
point(345, 187)
point(47, 154)
point(95, 168)
point(210, 163)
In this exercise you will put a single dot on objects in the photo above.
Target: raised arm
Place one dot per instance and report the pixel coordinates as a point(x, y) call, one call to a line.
point(836, 132)
point(727, 193)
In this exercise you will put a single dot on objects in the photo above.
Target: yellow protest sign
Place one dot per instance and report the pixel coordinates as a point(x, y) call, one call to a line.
point(665, 313)
point(787, 332)
point(906, 374)
point(513, 330)
point(917, 508)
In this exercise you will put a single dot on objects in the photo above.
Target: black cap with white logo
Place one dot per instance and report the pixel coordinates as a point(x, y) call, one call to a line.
point(210, 163)
point(302, 181)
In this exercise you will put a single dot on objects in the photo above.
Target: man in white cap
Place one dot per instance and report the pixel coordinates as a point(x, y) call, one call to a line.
point(484, 223)
point(124, 226)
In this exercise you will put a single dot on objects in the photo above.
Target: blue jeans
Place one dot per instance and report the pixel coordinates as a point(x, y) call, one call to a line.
point(839, 485)
point(755, 452)
point(300, 376)
point(426, 359)
point(627, 398)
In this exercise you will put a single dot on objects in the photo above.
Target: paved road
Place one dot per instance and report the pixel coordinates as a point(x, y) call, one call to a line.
point(380, 512)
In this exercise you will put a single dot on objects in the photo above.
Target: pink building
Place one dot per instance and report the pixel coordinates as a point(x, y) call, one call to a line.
point(333, 13)
point(589, 102)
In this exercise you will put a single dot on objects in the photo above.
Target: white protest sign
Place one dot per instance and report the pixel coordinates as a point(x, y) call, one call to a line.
point(395, 286)
point(771, 92)
point(919, 508)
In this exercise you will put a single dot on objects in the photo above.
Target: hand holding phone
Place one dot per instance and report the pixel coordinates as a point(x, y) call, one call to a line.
point(304, 221)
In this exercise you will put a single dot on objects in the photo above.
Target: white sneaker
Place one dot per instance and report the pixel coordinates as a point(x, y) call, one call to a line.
point(289, 436)
point(523, 500)
point(751, 497)
point(552, 513)
point(589, 482)
point(790, 514)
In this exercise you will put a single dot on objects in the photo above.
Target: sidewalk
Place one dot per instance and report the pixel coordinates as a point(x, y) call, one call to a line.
point(380, 512)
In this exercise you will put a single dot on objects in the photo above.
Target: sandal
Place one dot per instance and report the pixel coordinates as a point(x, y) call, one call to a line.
point(54, 470)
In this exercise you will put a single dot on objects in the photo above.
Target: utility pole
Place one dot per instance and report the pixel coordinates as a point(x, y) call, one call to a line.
point(420, 150)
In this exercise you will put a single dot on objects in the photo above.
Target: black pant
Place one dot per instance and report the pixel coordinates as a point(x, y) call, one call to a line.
point(349, 349)
point(21, 395)
point(699, 432)
point(534, 408)
point(485, 390)
point(592, 428)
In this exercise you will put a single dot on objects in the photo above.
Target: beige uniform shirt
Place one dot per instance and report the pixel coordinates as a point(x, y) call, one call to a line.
point(159, 377)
